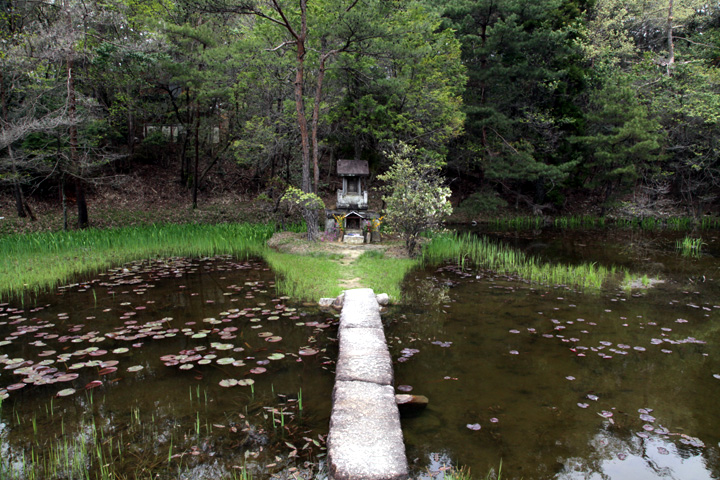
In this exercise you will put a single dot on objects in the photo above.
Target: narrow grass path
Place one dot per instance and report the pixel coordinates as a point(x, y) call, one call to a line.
point(324, 269)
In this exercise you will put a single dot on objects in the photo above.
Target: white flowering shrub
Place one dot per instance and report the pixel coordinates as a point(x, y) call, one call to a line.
point(416, 199)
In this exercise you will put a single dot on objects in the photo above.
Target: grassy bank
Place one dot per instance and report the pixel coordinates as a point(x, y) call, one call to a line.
point(469, 250)
point(39, 261)
point(310, 277)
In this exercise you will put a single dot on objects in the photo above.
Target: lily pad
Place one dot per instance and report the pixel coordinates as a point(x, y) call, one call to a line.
point(135, 368)
point(66, 392)
point(276, 356)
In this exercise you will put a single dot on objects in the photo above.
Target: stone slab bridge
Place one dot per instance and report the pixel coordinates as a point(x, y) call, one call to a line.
point(365, 440)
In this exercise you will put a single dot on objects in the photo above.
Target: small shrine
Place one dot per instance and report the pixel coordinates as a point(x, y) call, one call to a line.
point(351, 215)
point(351, 195)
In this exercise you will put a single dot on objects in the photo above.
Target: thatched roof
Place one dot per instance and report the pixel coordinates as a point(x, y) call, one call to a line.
point(352, 168)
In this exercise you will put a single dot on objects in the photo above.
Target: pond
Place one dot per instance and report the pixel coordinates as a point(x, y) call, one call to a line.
point(166, 369)
point(557, 384)
point(199, 369)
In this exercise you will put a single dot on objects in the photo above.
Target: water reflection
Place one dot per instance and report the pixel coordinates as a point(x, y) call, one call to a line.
point(564, 385)
point(121, 374)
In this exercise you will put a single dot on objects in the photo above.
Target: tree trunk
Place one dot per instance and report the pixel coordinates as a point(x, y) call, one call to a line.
point(131, 129)
point(671, 43)
point(309, 215)
point(19, 206)
point(316, 120)
point(83, 221)
point(74, 160)
point(64, 203)
point(197, 159)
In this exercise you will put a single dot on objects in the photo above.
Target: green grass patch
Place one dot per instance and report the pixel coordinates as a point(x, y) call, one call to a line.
point(468, 250)
point(305, 277)
point(382, 274)
point(39, 261)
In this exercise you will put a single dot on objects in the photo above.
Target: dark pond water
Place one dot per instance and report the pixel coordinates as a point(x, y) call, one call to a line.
point(563, 385)
point(168, 369)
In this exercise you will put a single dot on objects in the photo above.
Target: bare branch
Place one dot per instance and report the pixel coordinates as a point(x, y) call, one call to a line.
point(282, 45)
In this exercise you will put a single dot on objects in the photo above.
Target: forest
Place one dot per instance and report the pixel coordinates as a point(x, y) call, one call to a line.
point(536, 105)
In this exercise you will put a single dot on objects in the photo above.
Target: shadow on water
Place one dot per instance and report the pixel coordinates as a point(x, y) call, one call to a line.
point(565, 385)
point(167, 369)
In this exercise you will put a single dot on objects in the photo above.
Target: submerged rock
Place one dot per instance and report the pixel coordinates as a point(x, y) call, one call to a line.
point(326, 302)
point(411, 405)
point(339, 301)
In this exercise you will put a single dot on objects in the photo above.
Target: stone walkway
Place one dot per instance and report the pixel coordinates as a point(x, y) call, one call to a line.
point(365, 440)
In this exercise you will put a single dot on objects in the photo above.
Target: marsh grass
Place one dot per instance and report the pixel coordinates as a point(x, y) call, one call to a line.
point(38, 261)
point(99, 451)
point(690, 247)
point(471, 251)
point(579, 221)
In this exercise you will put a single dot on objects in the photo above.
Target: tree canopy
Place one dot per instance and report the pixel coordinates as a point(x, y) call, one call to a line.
point(533, 101)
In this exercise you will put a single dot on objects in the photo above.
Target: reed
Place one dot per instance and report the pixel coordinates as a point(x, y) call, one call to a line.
point(34, 262)
point(709, 223)
point(518, 223)
point(690, 247)
point(467, 250)
point(579, 221)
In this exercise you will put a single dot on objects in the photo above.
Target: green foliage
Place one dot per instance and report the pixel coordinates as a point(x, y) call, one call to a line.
point(294, 197)
point(524, 81)
point(416, 200)
point(623, 141)
point(482, 202)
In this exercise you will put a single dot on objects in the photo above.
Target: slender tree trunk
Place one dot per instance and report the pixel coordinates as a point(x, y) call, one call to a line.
point(299, 99)
point(310, 215)
point(483, 65)
point(64, 203)
point(83, 221)
point(671, 42)
point(19, 200)
point(316, 120)
point(197, 159)
point(131, 128)
point(74, 158)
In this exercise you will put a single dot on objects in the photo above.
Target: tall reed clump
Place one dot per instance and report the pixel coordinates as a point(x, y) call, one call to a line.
point(689, 247)
point(468, 250)
point(43, 260)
